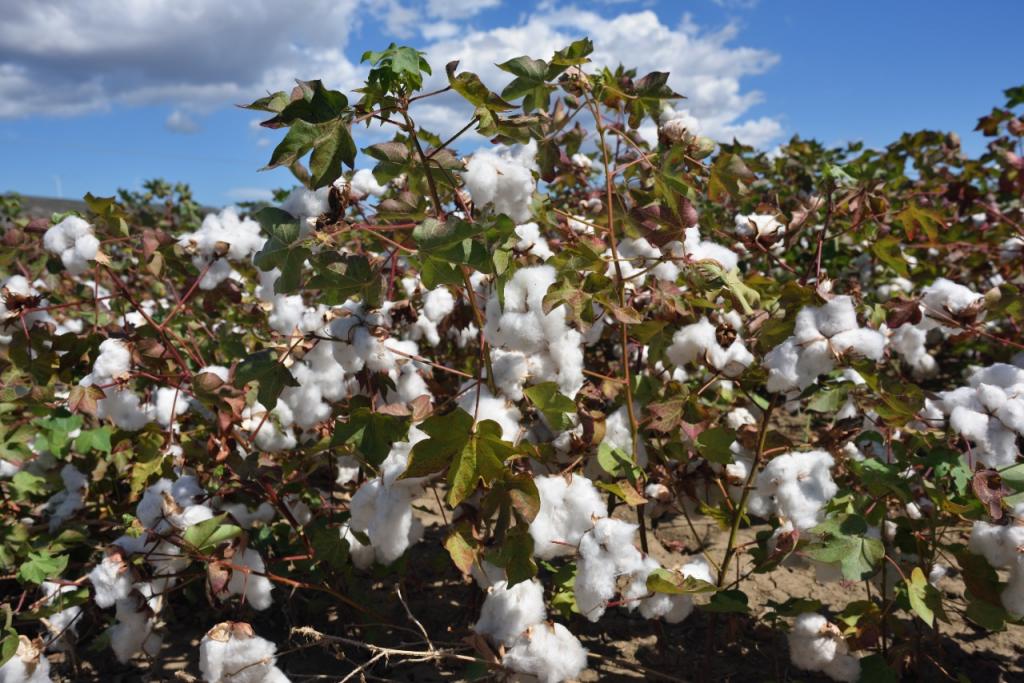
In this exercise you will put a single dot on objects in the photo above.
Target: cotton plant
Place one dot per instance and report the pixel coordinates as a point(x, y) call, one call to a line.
point(698, 343)
point(27, 665)
point(1000, 545)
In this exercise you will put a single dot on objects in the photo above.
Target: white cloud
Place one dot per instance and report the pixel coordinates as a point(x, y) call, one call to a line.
point(704, 66)
point(459, 9)
point(67, 57)
point(180, 122)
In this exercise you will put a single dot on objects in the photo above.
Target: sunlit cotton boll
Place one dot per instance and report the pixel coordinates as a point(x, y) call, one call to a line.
point(73, 240)
point(507, 612)
point(549, 652)
point(817, 645)
point(796, 486)
point(504, 178)
point(568, 509)
point(231, 652)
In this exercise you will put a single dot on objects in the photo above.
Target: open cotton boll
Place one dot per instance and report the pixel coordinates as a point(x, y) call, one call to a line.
point(503, 177)
point(697, 249)
point(242, 237)
point(74, 242)
point(231, 652)
point(568, 509)
point(486, 574)
point(757, 225)
point(796, 486)
point(114, 361)
point(136, 620)
point(28, 665)
point(549, 652)
point(486, 406)
point(168, 404)
point(306, 206)
point(581, 161)
point(111, 579)
point(698, 342)
point(507, 612)
point(552, 350)
point(268, 437)
point(62, 624)
point(817, 645)
point(10, 320)
point(944, 299)
point(530, 240)
point(606, 552)
point(64, 504)
point(364, 183)
point(252, 586)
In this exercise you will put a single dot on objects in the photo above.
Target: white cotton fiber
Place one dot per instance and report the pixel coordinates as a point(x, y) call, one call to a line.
point(796, 486)
point(28, 665)
point(73, 240)
point(222, 235)
point(504, 178)
point(507, 612)
point(568, 509)
point(817, 645)
point(606, 552)
point(549, 652)
point(231, 652)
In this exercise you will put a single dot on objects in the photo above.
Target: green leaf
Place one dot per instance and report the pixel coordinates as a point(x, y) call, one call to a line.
point(482, 458)
point(556, 408)
point(349, 278)
point(714, 444)
point(371, 433)
point(26, 484)
point(448, 435)
point(914, 217)
point(925, 599)
point(573, 55)
point(95, 439)
point(207, 535)
point(730, 177)
point(262, 367)
point(988, 616)
point(889, 252)
point(664, 581)
point(845, 542)
point(41, 566)
point(516, 556)
point(622, 490)
point(469, 85)
point(874, 668)
point(728, 602)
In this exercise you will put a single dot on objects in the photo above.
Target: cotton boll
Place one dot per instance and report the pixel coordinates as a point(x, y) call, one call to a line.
point(606, 552)
point(169, 403)
point(943, 299)
point(64, 504)
point(486, 574)
point(306, 206)
point(364, 183)
point(28, 665)
point(697, 249)
point(797, 486)
point(503, 178)
point(231, 652)
point(531, 241)
point(111, 579)
point(362, 554)
point(486, 406)
point(136, 620)
point(254, 588)
point(816, 645)
point(862, 341)
point(64, 623)
point(113, 362)
point(74, 242)
point(242, 239)
point(507, 612)
point(618, 435)
point(567, 510)
point(549, 652)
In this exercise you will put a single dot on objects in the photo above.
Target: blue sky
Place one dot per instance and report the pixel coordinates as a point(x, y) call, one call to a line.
point(100, 94)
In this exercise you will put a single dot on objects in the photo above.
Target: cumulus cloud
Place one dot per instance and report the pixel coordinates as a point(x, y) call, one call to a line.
point(180, 122)
point(67, 57)
point(704, 66)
